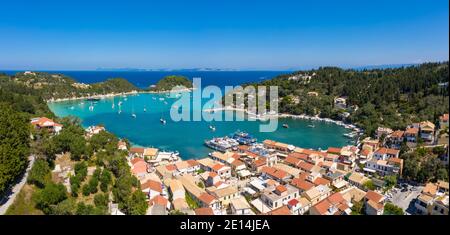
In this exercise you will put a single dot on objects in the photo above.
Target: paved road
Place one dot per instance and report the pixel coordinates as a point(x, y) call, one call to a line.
point(16, 189)
point(405, 200)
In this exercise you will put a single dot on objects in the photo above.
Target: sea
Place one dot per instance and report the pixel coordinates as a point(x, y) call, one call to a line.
point(186, 137)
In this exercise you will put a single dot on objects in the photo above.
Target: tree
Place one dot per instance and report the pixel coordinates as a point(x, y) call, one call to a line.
point(390, 181)
point(39, 174)
point(358, 208)
point(101, 200)
point(391, 209)
point(105, 180)
point(137, 204)
point(52, 194)
point(66, 207)
point(369, 185)
point(14, 145)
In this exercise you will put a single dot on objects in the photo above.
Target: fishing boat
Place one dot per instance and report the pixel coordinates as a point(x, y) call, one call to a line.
point(285, 125)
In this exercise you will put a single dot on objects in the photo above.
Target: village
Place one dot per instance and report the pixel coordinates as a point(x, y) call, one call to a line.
point(273, 178)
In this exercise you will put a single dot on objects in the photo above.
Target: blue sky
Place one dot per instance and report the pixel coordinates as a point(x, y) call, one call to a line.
point(83, 35)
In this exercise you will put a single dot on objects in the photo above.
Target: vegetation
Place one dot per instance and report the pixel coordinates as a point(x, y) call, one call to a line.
point(193, 204)
point(14, 145)
point(56, 86)
point(358, 208)
point(423, 165)
point(369, 185)
point(379, 97)
point(391, 209)
point(169, 82)
point(39, 174)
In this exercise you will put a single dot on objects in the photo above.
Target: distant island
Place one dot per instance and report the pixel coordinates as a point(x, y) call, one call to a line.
point(168, 82)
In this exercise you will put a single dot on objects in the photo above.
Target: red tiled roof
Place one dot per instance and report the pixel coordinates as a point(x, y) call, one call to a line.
point(334, 150)
point(303, 175)
point(153, 185)
point(397, 134)
point(260, 162)
point(158, 200)
point(136, 150)
point(284, 210)
point(412, 131)
point(171, 167)
point(292, 160)
point(301, 184)
point(276, 173)
point(136, 160)
point(321, 181)
point(374, 196)
point(293, 202)
point(296, 155)
point(192, 162)
point(365, 152)
point(217, 167)
point(204, 211)
point(305, 166)
point(206, 198)
point(280, 188)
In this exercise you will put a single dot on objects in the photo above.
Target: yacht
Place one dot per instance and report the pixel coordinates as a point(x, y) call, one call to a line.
point(243, 137)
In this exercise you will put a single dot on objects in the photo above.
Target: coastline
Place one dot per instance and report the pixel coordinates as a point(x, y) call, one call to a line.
point(109, 95)
point(264, 117)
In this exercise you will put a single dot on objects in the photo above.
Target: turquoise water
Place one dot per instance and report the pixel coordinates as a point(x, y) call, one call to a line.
point(188, 137)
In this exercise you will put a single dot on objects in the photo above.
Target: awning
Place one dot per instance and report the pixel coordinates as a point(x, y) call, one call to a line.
point(369, 170)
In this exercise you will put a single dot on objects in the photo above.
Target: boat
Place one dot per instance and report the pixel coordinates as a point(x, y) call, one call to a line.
point(165, 102)
point(145, 109)
point(154, 98)
point(311, 126)
point(112, 106)
point(120, 103)
point(243, 137)
point(72, 107)
point(285, 125)
point(91, 107)
point(133, 115)
point(119, 111)
point(161, 99)
point(163, 121)
point(93, 99)
point(218, 144)
point(213, 128)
